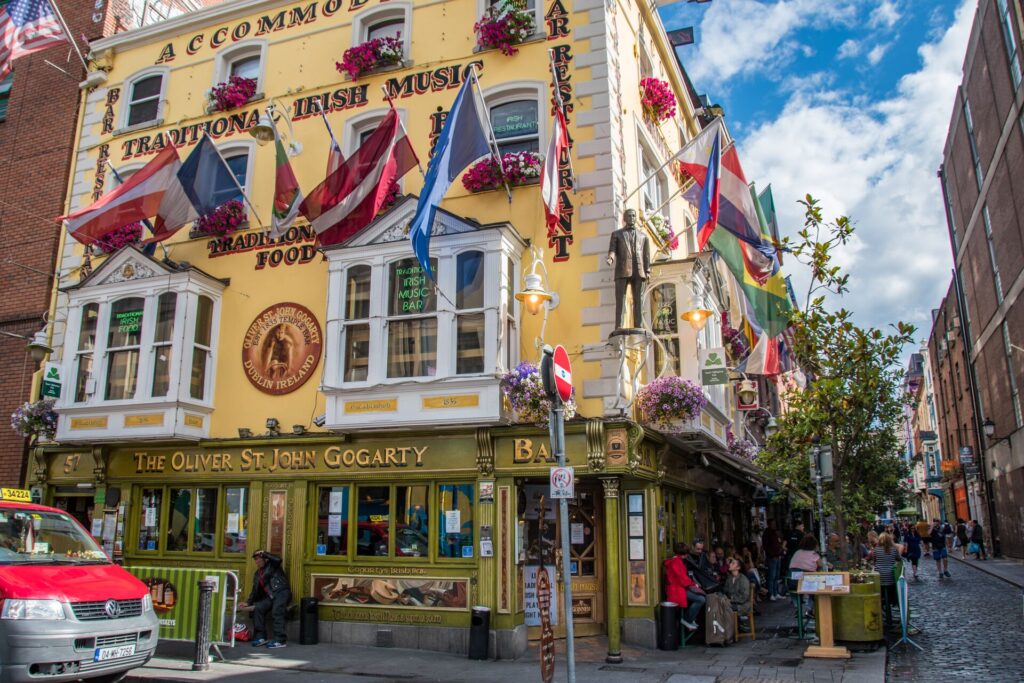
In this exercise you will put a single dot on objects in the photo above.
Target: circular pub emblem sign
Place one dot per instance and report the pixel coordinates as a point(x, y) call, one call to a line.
point(282, 348)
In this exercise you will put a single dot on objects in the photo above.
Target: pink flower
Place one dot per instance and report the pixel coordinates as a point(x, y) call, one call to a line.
point(503, 26)
point(223, 220)
point(657, 98)
point(519, 168)
point(236, 92)
point(361, 58)
point(120, 237)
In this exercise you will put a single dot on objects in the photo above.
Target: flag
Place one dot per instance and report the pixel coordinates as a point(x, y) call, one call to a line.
point(27, 26)
point(346, 201)
point(707, 213)
point(549, 190)
point(334, 156)
point(205, 181)
point(287, 195)
point(142, 196)
point(763, 359)
point(463, 140)
point(693, 157)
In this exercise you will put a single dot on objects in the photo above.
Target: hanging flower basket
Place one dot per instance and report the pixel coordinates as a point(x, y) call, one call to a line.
point(370, 55)
point(234, 93)
point(521, 168)
point(744, 449)
point(224, 220)
point(503, 26)
point(657, 99)
point(735, 343)
point(119, 238)
point(668, 401)
point(525, 391)
point(35, 420)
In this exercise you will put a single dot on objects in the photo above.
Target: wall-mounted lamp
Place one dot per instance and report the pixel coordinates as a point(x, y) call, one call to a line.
point(273, 427)
point(989, 427)
point(696, 314)
point(534, 296)
point(265, 131)
point(747, 392)
point(37, 347)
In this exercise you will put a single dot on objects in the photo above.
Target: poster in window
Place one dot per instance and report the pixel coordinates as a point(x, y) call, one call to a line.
point(281, 348)
point(334, 506)
point(636, 525)
point(532, 606)
point(391, 591)
point(514, 119)
point(278, 517)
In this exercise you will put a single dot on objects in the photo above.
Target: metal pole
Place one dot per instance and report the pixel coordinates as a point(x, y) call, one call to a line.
point(821, 505)
point(558, 446)
point(202, 656)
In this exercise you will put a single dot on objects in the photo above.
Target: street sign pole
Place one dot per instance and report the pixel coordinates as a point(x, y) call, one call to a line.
point(556, 427)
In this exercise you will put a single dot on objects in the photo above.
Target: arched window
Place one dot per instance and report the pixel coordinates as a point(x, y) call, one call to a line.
point(144, 102)
point(393, 19)
point(246, 59)
point(514, 111)
point(201, 348)
point(163, 340)
point(356, 332)
point(665, 325)
point(86, 346)
point(238, 156)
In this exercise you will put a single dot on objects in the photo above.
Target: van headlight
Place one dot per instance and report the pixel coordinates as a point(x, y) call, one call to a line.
point(147, 603)
point(50, 610)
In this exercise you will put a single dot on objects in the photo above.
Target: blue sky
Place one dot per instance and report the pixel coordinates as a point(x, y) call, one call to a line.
point(848, 100)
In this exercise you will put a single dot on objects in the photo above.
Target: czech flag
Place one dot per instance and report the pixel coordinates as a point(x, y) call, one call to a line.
point(707, 212)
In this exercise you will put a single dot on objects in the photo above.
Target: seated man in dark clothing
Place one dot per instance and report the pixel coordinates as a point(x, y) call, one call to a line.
point(701, 567)
point(270, 594)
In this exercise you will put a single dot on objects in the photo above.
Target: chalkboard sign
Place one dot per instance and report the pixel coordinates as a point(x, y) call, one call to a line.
point(412, 290)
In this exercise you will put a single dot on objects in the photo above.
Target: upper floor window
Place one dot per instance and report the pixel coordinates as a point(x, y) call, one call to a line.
point(201, 348)
point(145, 93)
point(979, 175)
point(245, 59)
point(84, 356)
point(389, 28)
point(412, 323)
point(124, 341)
point(392, 20)
point(237, 158)
point(655, 190)
point(515, 124)
point(1006, 18)
point(5, 94)
point(469, 304)
point(665, 324)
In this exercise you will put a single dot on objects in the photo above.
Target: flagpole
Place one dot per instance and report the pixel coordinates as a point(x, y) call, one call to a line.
point(561, 106)
point(145, 221)
point(67, 31)
point(235, 181)
point(492, 142)
point(670, 160)
point(402, 125)
point(323, 114)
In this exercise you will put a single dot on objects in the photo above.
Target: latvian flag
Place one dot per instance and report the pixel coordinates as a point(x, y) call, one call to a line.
point(347, 200)
point(549, 189)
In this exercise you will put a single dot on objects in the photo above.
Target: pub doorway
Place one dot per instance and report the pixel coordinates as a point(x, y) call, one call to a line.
point(543, 542)
point(75, 502)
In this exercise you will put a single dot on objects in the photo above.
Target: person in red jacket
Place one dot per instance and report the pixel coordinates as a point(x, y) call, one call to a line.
point(681, 589)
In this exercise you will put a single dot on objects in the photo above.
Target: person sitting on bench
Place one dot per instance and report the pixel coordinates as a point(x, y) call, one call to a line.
point(270, 594)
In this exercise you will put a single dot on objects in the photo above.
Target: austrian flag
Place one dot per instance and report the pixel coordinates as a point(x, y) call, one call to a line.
point(549, 190)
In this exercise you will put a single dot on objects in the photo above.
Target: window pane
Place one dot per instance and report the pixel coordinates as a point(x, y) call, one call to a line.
point(469, 282)
point(204, 320)
point(162, 369)
point(236, 521)
point(412, 348)
point(672, 346)
point(122, 374)
point(87, 335)
point(143, 111)
point(84, 373)
point(385, 29)
point(181, 514)
point(357, 288)
point(520, 146)
point(206, 521)
point(246, 67)
point(373, 516)
point(238, 162)
point(514, 119)
point(165, 317)
point(663, 310)
point(146, 87)
point(357, 352)
point(455, 520)
point(412, 530)
point(469, 353)
point(126, 322)
point(197, 385)
point(410, 289)
point(149, 519)
point(332, 521)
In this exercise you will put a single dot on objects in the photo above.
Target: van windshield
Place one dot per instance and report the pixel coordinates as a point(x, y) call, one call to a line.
point(42, 537)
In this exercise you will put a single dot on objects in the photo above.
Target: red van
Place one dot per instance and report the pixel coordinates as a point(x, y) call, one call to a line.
point(67, 612)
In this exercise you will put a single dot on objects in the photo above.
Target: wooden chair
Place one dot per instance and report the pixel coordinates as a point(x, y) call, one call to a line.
point(750, 618)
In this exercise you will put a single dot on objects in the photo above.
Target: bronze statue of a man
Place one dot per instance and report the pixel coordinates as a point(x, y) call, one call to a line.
point(629, 252)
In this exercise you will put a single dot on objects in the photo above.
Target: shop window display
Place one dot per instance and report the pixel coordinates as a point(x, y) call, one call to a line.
point(332, 520)
point(455, 504)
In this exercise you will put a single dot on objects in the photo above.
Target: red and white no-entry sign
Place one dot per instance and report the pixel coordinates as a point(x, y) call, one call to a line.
point(563, 373)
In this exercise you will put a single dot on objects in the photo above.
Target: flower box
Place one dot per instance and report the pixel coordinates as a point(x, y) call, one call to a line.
point(657, 99)
point(234, 93)
point(671, 403)
point(224, 220)
point(504, 26)
point(663, 229)
point(525, 392)
point(35, 420)
point(119, 238)
point(373, 54)
point(520, 168)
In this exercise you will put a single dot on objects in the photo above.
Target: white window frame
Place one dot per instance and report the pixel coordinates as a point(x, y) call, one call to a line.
point(538, 15)
point(514, 91)
point(660, 180)
point(129, 83)
point(394, 9)
point(234, 147)
point(246, 48)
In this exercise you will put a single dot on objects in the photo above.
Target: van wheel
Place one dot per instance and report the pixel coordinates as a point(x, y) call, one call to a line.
point(108, 678)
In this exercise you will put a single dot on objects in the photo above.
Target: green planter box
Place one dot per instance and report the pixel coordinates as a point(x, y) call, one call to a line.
point(857, 616)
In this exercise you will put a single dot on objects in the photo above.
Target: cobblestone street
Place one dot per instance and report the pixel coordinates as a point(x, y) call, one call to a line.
point(971, 628)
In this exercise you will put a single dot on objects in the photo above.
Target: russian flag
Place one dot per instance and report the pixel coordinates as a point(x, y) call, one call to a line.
point(707, 213)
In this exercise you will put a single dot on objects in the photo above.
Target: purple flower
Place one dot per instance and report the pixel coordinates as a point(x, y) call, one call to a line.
point(35, 419)
point(361, 58)
point(119, 238)
point(525, 392)
point(668, 399)
point(518, 167)
point(503, 26)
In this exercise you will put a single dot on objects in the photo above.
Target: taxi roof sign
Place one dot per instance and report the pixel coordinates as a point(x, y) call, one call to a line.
point(16, 495)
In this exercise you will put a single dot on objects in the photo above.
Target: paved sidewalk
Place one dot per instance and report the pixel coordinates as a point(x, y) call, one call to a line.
point(775, 656)
point(1011, 571)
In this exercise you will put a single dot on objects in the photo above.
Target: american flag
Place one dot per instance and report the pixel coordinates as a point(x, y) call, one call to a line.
point(27, 26)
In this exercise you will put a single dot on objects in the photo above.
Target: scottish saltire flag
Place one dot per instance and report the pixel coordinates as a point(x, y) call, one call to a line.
point(27, 26)
point(287, 195)
point(463, 140)
point(707, 211)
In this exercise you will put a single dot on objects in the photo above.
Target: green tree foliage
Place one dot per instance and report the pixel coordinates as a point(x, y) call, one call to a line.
point(854, 398)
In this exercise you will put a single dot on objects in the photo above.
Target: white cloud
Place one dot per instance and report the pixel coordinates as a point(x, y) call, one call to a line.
point(884, 16)
point(849, 48)
point(874, 161)
point(876, 53)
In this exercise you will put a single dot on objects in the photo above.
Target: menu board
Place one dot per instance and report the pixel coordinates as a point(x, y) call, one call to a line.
point(824, 582)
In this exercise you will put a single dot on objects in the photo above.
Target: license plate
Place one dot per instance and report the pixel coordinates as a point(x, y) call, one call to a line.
point(102, 654)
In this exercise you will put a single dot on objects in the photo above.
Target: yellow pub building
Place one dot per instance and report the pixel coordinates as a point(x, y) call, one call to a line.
point(238, 392)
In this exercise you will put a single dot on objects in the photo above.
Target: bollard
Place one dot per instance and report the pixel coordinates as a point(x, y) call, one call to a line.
point(202, 659)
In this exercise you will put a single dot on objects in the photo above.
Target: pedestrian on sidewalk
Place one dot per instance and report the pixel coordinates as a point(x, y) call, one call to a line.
point(912, 543)
point(806, 559)
point(977, 544)
point(961, 537)
point(681, 589)
point(885, 556)
point(773, 558)
point(270, 596)
point(939, 552)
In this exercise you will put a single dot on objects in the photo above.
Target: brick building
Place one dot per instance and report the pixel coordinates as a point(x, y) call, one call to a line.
point(983, 181)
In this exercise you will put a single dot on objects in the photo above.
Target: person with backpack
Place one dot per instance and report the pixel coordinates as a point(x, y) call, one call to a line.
point(976, 546)
point(681, 589)
point(939, 553)
point(270, 596)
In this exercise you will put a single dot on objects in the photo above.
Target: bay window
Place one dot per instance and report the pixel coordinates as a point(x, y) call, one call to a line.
point(412, 329)
point(123, 347)
point(201, 347)
point(86, 345)
point(162, 343)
